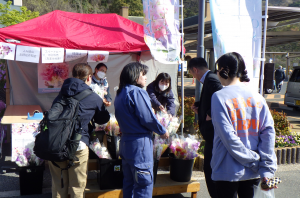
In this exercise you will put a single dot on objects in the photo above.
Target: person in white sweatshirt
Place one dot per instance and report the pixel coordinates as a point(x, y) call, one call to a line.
point(243, 148)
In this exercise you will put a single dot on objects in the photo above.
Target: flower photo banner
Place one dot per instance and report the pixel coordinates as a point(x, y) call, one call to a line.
point(28, 54)
point(7, 51)
point(51, 76)
point(74, 54)
point(98, 56)
point(161, 29)
point(53, 55)
point(237, 27)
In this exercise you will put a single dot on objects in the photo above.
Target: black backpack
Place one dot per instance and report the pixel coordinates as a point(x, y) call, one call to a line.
point(60, 131)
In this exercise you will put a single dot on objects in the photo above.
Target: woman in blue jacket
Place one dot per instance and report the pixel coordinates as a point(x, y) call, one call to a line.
point(160, 92)
point(137, 121)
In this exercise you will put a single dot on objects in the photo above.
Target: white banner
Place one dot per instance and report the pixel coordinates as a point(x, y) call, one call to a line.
point(74, 54)
point(52, 55)
point(7, 51)
point(237, 27)
point(98, 56)
point(28, 54)
point(161, 29)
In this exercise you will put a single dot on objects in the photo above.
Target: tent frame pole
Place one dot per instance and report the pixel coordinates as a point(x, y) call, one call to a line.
point(182, 70)
point(261, 88)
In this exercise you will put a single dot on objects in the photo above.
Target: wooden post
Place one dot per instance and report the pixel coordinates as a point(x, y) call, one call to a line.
point(293, 159)
point(278, 156)
point(194, 195)
point(298, 155)
point(288, 155)
point(283, 156)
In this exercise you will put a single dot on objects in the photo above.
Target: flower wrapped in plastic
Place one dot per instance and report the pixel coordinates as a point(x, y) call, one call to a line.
point(184, 148)
point(100, 150)
point(27, 157)
point(99, 90)
point(113, 128)
point(174, 124)
point(159, 146)
point(100, 127)
point(163, 118)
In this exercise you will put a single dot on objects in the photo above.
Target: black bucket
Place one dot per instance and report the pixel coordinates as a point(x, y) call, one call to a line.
point(31, 179)
point(113, 145)
point(155, 167)
point(180, 170)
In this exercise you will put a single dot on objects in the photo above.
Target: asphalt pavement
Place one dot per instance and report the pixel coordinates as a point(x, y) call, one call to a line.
point(9, 182)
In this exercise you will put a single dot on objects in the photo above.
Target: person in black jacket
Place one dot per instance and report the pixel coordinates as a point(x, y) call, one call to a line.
point(199, 69)
point(90, 107)
point(161, 95)
point(279, 77)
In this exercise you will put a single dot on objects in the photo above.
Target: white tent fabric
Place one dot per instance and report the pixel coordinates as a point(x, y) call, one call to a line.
point(24, 78)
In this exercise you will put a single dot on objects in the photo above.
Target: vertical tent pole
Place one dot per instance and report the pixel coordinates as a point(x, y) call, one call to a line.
point(182, 72)
point(264, 50)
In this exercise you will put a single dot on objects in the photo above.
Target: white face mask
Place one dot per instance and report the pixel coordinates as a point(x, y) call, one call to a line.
point(163, 87)
point(101, 74)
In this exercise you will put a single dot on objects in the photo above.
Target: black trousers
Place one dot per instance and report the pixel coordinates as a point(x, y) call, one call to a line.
point(211, 186)
point(244, 189)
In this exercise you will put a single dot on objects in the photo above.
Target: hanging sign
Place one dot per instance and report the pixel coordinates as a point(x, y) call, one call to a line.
point(98, 56)
point(237, 27)
point(28, 54)
point(74, 54)
point(51, 76)
point(7, 51)
point(161, 29)
point(52, 55)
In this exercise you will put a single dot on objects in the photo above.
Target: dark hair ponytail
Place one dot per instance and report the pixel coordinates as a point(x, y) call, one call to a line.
point(232, 65)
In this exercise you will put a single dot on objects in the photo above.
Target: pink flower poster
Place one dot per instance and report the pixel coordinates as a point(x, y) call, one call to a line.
point(7, 51)
point(98, 56)
point(22, 136)
point(161, 29)
point(51, 76)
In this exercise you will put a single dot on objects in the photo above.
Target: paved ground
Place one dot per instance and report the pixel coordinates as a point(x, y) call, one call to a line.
point(9, 182)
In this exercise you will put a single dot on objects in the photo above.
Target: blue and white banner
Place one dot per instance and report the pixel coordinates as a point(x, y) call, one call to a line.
point(237, 27)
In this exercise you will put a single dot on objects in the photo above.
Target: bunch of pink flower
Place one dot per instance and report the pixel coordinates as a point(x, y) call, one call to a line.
point(27, 157)
point(100, 150)
point(159, 147)
point(113, 126)
point(163, 118)
point(4, 50)
point(184, 148)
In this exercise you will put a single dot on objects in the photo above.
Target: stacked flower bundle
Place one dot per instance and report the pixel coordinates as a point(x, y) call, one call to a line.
point(112, 127)
point(27, 157)
point(159, 146)
point(184, 148)
point(99, 90)
point(170, 123)
point(100, 150)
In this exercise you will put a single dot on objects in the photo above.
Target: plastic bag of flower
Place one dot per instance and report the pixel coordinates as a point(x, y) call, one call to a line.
point(100, 150)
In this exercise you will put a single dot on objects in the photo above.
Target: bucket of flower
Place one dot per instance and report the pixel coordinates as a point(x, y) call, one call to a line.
point(159, 147)
point(111, 173)
point(182, 158)
point(113, 137)
point(31, 169)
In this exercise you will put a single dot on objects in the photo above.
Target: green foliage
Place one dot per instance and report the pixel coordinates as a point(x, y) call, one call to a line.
point(281, 123)
point(189, 115)
point(135, 7)
point(11, 17)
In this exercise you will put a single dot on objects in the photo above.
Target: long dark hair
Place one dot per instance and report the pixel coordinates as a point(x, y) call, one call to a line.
point(130, 74)
point(163, 77)
point(232, 65)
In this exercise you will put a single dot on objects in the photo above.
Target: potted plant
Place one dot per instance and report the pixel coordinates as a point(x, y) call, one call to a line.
point(189, 115)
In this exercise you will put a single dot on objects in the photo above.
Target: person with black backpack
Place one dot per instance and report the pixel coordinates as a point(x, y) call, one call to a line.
point(279, 78)
point(71, 112)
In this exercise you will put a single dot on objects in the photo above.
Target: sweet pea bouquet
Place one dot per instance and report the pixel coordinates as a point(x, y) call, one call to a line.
point(184, 148)
point(112, 127)
point(100, 127)
point(27, 157)
point(99, 90)
point(159, 147)
point(163, 118)
point(100, 150)
point(170, 123)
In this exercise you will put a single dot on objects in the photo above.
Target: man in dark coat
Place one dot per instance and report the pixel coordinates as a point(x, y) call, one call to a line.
point(199, 69)
point(279, 78)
